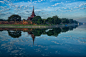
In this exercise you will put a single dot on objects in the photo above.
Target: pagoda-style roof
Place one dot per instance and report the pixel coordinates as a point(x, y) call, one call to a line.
point(32, 15)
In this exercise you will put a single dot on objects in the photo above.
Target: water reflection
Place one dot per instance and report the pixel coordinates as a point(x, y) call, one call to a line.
point(16, 32)
point(53, 32)
point(42, 42)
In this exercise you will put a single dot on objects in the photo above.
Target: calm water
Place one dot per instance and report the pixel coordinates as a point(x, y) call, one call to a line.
point(63, 41)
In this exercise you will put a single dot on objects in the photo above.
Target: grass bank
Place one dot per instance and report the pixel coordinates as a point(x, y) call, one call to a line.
point(33, 26)
point(20, 25)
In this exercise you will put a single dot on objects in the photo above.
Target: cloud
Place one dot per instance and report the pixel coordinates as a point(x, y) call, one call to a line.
point(2, 2)
point(44, 8)
point(73, 6)
point(55, 4)
point(40, 0)
point(82, 4)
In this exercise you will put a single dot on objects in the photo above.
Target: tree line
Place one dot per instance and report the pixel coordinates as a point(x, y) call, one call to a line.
point(38, 20)
point(53, 20)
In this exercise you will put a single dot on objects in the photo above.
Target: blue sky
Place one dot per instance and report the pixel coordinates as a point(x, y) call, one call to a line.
point(72, 9)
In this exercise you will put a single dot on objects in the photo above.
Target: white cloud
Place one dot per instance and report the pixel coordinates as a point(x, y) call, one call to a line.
point(2, 2)
point(55, 4)
point(24, 9)
point(82, 4)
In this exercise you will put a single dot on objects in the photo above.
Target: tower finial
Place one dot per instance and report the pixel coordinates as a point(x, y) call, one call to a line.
point(33, 14)
point(33, 9)
point(33, 37)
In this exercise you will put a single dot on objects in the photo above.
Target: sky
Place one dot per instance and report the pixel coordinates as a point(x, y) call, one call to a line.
point(71, 9)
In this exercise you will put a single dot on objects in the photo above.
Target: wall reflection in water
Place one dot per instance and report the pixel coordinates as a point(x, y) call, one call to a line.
point(16, 32)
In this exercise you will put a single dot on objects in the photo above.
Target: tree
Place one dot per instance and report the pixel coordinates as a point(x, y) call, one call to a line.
point(14, 18)
point(44, 21)
point(75, 21)
point(37, 20)
point(64, 20)
point(56, 20)
point(50, 20)
point(71, 21)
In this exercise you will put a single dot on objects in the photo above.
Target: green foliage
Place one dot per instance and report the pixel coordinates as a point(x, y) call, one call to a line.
point(50, 20)
point(15, 34)
point(53, 20)
point(37, 32)
point(54, 32)
point(71, 21)
point(14, 18)
point(64, 29)
point(50, 32)
point(44, 21)
point(37, 20)
point(64, 20)
point(56, 20)
point(75, 21)
point(55, 17)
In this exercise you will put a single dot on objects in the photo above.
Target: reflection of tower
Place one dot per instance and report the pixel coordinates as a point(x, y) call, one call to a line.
point(33, 37)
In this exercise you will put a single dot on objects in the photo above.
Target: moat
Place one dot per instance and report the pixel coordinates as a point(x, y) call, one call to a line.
point(61, 41)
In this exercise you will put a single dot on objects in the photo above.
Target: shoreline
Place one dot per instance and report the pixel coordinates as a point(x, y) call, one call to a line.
point(37, 26)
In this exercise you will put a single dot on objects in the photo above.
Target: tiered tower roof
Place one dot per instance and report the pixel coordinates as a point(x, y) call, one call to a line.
point(32, 15)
